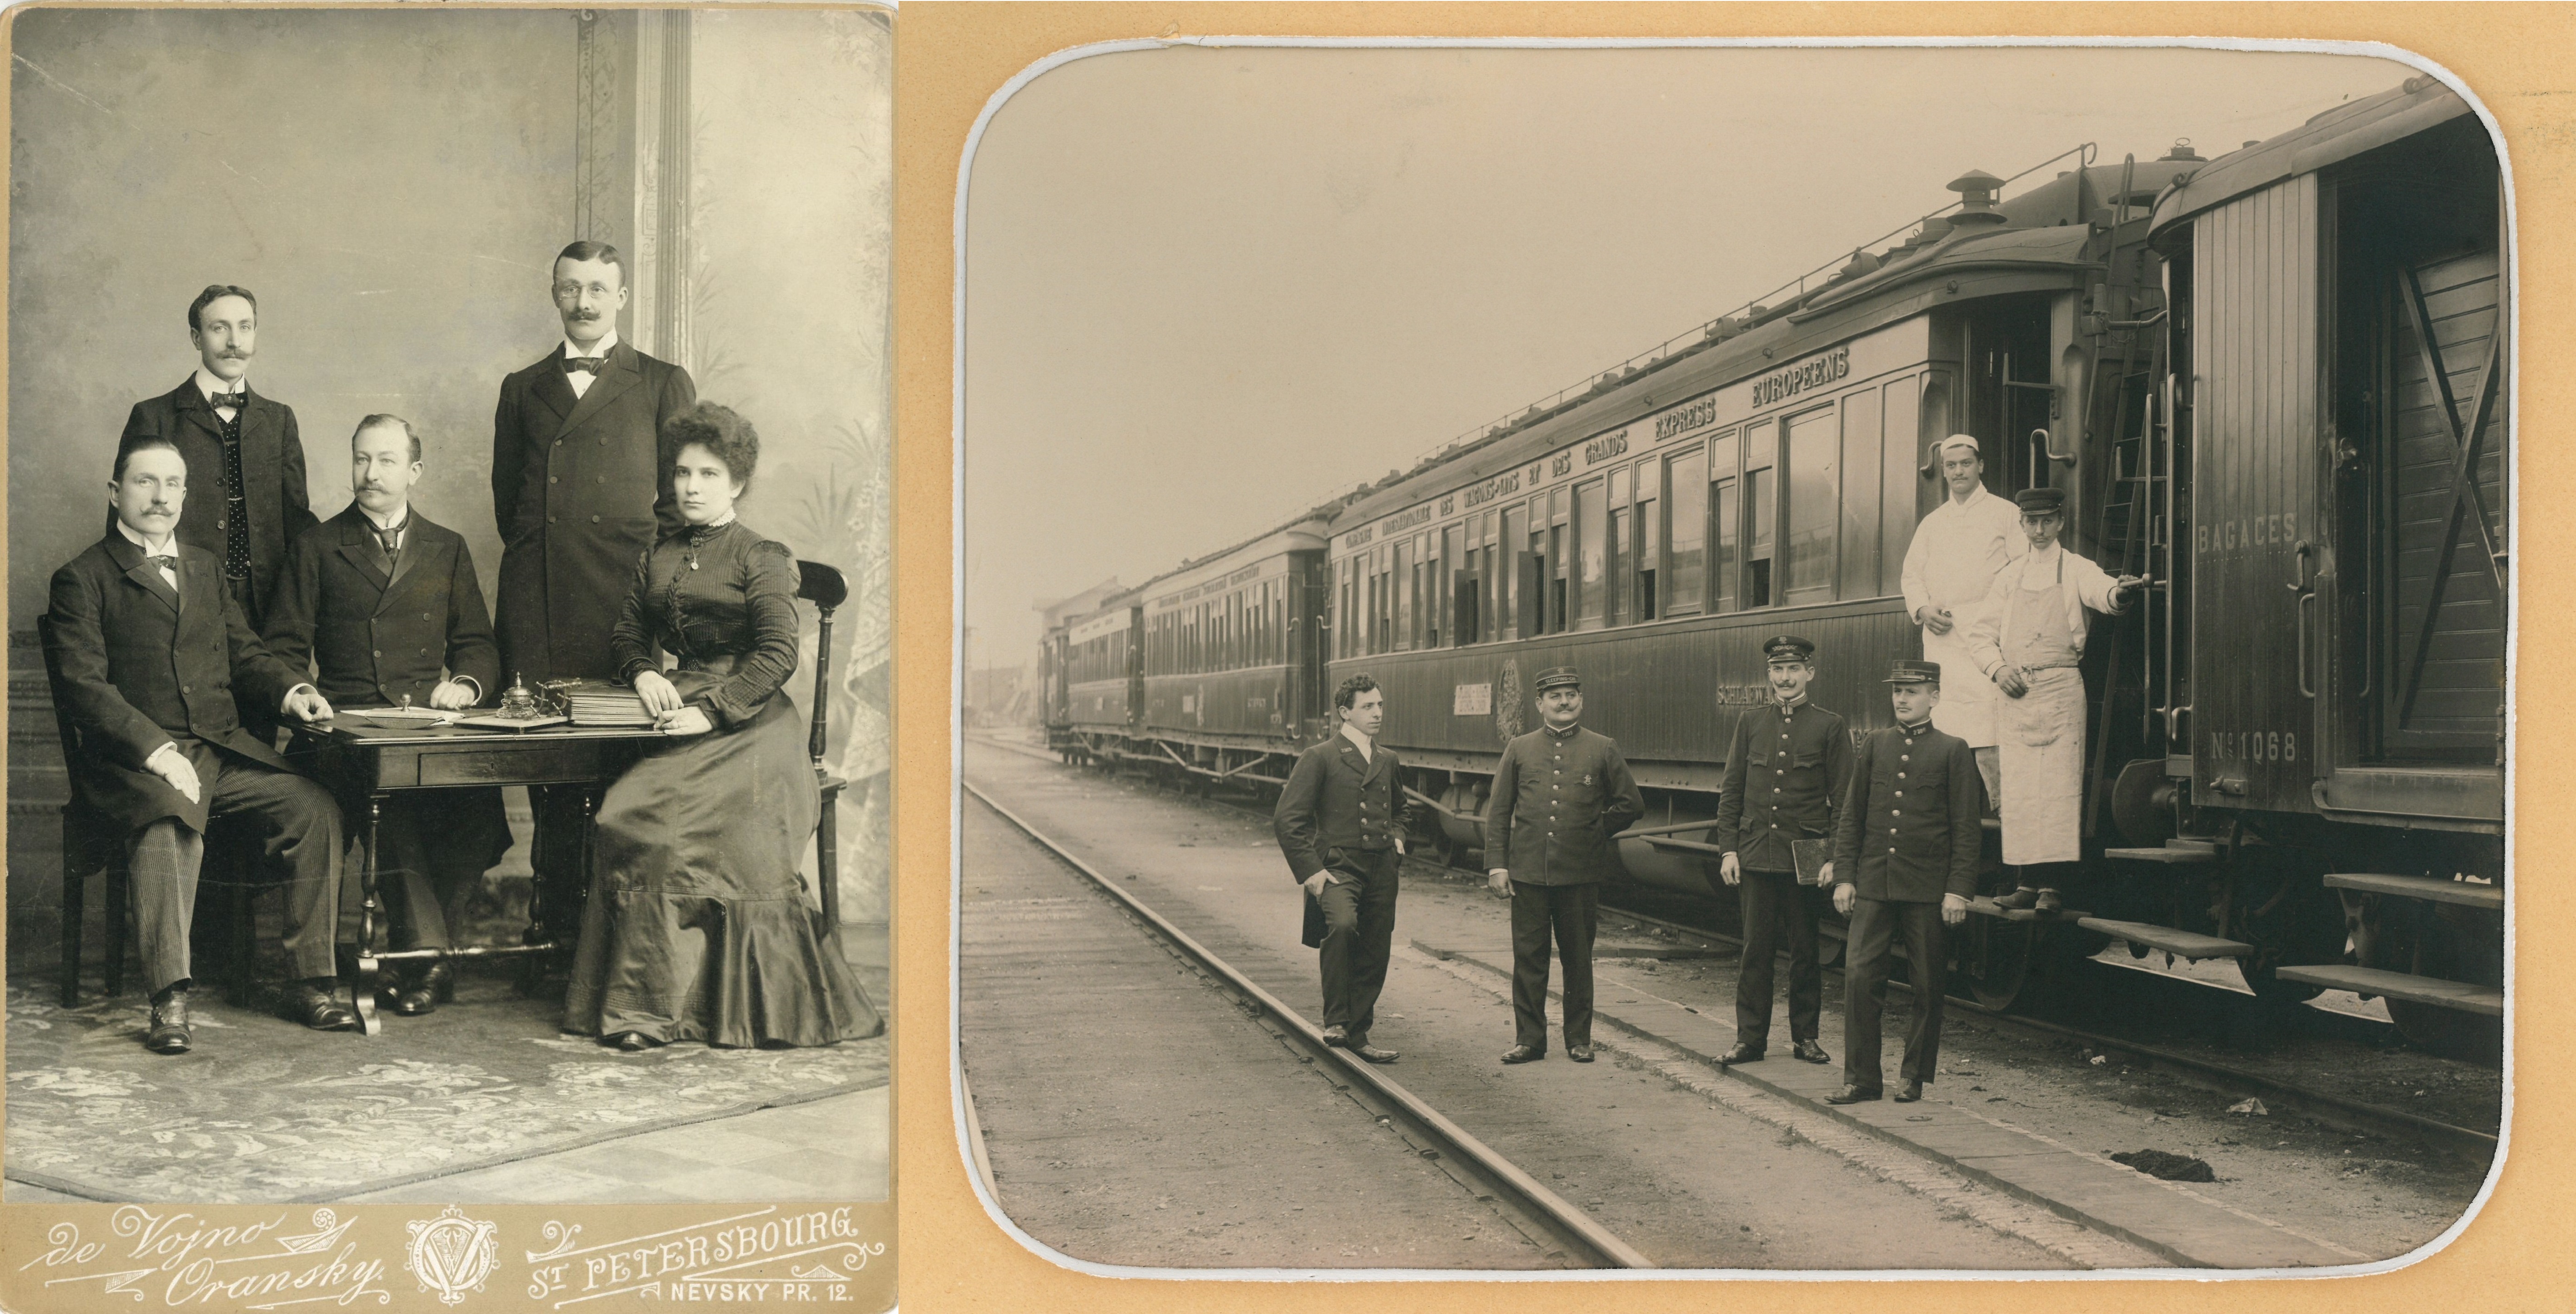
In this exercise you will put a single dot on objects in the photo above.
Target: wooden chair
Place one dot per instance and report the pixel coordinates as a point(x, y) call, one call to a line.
point(91, 842)
point(94, 842)
point(827, 590)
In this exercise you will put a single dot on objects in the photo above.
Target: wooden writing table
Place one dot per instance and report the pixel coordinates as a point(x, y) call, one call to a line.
point(366, 763)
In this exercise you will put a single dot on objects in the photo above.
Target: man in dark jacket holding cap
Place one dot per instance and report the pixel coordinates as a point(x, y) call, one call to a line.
point(1785, 769)
point(1905, 853)
point(1560, 794)
point(1340, 823)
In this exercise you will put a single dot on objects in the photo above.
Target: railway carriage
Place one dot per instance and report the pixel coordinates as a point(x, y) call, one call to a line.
point(2271, 382)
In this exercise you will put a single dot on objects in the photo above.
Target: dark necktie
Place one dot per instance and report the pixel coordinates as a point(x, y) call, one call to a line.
point(236, 509)
point(390, 539)
point(589, 365)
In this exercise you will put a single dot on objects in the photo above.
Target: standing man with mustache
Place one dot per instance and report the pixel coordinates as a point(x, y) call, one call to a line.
point(581, 486)
point(244, 449)
point(1785, 770)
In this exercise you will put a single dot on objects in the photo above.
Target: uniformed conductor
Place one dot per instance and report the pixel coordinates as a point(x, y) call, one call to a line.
point(1560, 794)
point(1341, 825)
point(1906, 850)
point(1785, 769)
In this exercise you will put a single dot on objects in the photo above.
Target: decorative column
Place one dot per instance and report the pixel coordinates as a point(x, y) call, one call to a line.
point(632, 134)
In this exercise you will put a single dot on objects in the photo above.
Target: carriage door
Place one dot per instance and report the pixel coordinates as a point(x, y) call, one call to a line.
point(2256, 550)
point(2420, 465)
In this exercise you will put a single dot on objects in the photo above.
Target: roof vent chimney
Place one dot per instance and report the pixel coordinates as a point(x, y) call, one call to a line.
point(2181, 151)
point(1977, 189)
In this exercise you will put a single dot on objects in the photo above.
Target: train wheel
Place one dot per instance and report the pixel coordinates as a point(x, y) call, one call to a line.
point(1998, 962)
point(2272, 899)
point(2443, 940)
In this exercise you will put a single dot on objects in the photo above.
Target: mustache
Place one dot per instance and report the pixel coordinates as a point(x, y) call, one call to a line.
point(581, 314)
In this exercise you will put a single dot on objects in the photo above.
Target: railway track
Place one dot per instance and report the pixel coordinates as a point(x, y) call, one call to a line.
point(1530, 1206)
point(2332, 1110)
point(2466, 1143)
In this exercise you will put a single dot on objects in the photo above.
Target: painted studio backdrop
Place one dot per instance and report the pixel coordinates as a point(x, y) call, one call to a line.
point(394, 187)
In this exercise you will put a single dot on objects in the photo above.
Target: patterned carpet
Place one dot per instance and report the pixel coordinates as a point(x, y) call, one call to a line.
point(264, 1110)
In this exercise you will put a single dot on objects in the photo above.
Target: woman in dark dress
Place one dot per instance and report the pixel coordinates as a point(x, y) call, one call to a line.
point(698, 926)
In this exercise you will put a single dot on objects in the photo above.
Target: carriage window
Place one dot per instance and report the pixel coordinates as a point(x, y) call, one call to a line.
point(1761, 507)
point(1814, 448)
point(1455, 618)
point(1687, 530)
point(1725, 500)
point(1622, 551)
point(1858, 576)
point(1560, 551)
point(1650, 542)
point(1405, 599)
point(1385, 601)
point(1901, 485)
point(1591, 525)
point(1510, 553)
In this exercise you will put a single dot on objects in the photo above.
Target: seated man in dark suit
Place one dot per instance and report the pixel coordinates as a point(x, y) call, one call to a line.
point(153, 650)
point(386, 604)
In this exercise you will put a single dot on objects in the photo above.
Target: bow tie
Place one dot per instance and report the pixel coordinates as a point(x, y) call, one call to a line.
point(590, 365)
point(170, 564)
point(232, 399)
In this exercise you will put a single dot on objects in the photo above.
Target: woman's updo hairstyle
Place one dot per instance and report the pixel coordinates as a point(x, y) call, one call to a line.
point(720, 431)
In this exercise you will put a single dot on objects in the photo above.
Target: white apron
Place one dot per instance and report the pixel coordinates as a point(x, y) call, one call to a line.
point(1968, 698)
point(2041, 733)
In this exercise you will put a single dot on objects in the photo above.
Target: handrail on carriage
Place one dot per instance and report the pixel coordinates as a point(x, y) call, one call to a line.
point(1699, 333)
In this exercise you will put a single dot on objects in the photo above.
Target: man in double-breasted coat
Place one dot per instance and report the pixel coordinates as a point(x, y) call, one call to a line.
point(581, 486)
point(1560, 794)
point(382, 602)
point(1905, 862)
point(1340, 822)
point(150, 651)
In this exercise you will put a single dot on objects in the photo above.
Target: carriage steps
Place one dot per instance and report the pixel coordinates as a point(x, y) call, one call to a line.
point(2179, 943)
point(2473, 894)
point(2431, 991)
point(2173, 851)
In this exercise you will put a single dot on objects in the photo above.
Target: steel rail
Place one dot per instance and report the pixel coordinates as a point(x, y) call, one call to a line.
point(2466, 1141)
point(1570, 1227)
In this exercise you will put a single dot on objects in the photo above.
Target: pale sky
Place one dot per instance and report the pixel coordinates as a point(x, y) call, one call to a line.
point(1205, 289)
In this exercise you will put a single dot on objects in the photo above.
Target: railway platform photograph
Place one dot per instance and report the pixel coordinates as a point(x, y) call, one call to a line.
point(447, 610)
point(1858, 660)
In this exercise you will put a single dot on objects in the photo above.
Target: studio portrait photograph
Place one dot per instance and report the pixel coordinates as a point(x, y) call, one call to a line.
point(447, 532)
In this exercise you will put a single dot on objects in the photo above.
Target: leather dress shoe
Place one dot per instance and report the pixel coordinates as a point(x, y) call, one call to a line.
point(1742, 1053)
point(1371, 1052)
point(169, 1033)
point(1524, 1054)
point(1909, 1092)
point(1852, 1095)
point(2021, 898)
point(1810, 1052)
point(1580, 1053)
point(315, 1005)
point(2049, 901)
point(1337, 1035)
point(632, 1042)
point(424, 989)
